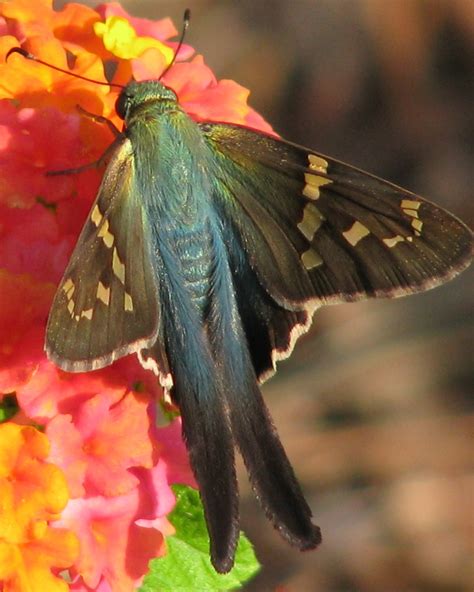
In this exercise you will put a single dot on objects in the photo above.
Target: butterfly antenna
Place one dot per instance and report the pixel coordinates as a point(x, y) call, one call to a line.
point(30, 56)
point(186, 19)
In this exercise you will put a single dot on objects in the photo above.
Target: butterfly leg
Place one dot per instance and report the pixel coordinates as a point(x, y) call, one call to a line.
point(102, 161)
point(100, 119)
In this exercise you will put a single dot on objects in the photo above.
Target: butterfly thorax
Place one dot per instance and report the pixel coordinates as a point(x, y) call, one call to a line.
point(170, 150)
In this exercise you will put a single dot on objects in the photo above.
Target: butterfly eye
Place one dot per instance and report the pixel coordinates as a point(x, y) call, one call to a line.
point(121, 105)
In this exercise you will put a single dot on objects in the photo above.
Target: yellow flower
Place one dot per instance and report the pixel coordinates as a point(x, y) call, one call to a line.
point(120, 38)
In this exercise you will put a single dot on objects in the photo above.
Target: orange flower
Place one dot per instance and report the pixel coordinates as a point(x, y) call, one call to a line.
point(35, 85)
point(26, 567)
point(32, 493)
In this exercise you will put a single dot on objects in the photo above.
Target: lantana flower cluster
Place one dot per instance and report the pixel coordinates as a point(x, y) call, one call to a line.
point(85, 471)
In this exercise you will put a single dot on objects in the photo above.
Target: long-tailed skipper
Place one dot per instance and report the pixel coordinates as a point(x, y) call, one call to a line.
point(206, 253)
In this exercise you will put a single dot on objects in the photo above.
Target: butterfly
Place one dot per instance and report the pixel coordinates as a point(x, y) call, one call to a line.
point(206, 252)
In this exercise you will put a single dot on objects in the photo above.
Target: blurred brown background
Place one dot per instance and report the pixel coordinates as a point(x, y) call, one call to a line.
point(375, 406)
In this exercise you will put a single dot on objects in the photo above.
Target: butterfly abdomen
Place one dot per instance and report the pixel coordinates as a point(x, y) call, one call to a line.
point(193, 248)
point(184, 264)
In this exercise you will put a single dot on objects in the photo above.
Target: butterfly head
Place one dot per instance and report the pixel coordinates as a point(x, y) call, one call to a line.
point(136, 94)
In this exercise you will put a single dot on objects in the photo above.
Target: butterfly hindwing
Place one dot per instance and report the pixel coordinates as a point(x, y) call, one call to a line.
point(269, 328)
point(316, 231)
point(107, 303)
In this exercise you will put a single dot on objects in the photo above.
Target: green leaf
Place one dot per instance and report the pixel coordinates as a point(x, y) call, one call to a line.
point(186, 566)
point(8, 407)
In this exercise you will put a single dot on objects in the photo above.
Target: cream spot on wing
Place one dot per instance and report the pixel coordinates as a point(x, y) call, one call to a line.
point(70, 307)
point(409, 204)
point(106, 236)
point(316, 163)
point(417, 225)
point(96, 216)
point(311, 192)
point(313, 183)
point(69, 288)
point(391, 242)
point(103, 293)
point(87, 314)
point(312, 220)
point(410, 208)
point(127, 302)
point(311, 259)
point(118, 267)
point(356, 233)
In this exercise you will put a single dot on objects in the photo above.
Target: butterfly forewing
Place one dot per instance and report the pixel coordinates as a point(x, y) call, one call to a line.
point(393, 241)
point(318, 230)
point(107, 303)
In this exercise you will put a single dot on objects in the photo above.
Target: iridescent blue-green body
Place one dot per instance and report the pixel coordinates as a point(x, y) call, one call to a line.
point(206, 253)
point(214, 382)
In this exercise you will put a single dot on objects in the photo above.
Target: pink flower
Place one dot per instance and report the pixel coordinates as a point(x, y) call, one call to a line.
point(120, 535)
point(99, 444)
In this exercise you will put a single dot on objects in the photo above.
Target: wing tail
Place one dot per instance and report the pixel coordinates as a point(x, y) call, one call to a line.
point(269, 469)
point(208, 438)
point(197, 390)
